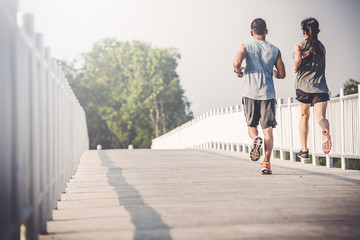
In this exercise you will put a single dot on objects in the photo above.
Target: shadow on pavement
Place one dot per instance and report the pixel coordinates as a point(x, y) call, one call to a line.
point(148, 223)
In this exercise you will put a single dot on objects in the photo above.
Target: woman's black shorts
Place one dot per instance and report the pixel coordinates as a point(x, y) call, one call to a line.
point(311, 98)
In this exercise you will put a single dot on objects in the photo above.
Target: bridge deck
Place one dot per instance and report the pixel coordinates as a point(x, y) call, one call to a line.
point(189, 194)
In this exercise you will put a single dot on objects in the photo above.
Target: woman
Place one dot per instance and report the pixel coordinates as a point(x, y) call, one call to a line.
point(310, 84)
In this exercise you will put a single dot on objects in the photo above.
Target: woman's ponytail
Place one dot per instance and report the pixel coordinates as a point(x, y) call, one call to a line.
point(311, 27)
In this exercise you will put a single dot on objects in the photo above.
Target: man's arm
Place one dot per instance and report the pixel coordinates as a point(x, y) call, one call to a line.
point(280, 67)
point(240, 55)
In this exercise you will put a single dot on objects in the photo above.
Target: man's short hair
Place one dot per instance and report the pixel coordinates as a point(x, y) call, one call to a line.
point(258, 26)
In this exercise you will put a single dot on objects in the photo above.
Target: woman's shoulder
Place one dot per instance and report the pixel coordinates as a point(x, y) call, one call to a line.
point(321, 45)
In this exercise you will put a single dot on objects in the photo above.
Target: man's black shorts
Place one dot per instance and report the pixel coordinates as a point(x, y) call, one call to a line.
point(311, 98)
point(262, 111)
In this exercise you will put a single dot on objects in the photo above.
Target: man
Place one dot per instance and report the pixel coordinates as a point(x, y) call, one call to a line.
point(259, 93)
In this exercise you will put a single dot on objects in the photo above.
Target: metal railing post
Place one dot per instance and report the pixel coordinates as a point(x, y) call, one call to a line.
point(279, 104)
point(8, 164)
point(344, 161)
point(315, 158)
point(292, 155)
point(359, 114)
point(329, 160)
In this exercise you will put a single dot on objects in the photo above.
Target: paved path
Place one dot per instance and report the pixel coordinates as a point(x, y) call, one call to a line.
point(176, 194)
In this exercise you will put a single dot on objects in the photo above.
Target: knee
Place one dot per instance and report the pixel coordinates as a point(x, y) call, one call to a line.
point(268, 132)
point(305, 115)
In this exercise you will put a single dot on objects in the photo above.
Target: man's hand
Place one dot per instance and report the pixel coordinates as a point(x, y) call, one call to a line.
point(275, 73)
point(240, 55)
point(240, 73)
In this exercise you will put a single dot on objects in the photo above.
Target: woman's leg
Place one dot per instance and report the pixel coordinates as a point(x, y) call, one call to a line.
point(320, 111)
point(304, 125)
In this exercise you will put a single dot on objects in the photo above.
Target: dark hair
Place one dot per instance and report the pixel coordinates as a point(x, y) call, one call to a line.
point(311, 27)
point(258, 26)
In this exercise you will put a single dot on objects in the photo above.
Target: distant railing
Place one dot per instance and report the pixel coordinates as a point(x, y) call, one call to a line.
point(226, 129)
point(43, 130)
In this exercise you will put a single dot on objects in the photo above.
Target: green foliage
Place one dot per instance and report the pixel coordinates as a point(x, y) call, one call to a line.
point(130, 92)
point(351, 87)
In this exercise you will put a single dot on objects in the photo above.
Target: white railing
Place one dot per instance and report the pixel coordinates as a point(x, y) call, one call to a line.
point(226, 129)
point(43, 130)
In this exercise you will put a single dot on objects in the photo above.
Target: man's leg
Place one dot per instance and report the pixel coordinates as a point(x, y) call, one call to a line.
point(253, 132)
point(268, 143)
point(304, 125)
point(252, 115)
point(268, 121)
point(256, 144)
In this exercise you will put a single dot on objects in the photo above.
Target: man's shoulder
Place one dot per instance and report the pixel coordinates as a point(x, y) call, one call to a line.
point(273, 46)
point(248, 43)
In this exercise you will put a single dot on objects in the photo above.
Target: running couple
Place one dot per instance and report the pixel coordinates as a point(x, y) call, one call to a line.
point(259, 93)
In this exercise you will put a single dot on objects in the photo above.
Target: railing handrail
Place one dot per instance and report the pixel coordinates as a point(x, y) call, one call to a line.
point(43, 127)
point(286, 134)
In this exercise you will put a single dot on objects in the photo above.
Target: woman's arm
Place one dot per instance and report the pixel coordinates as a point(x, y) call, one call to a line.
point(299, 56)
point(297, 61)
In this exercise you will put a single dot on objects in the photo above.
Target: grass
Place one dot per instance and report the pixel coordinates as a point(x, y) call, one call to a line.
point(354, 163)
point(337, 162)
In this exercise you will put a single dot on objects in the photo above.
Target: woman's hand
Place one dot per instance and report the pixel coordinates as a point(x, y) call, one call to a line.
point(305, 54)
point(298, 56)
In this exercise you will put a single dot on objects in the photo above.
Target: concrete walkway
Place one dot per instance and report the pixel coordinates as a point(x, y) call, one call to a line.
point(188, 194)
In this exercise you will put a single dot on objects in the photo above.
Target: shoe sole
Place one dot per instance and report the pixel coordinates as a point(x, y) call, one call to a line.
point(304, 160)
point(326, 146)
point(255, 151)
point(266, 171)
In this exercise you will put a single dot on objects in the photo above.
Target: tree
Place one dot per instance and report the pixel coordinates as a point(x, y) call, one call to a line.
point(351, 87)
point(130, 91)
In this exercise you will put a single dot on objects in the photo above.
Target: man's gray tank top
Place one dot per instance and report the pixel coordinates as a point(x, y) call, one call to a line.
point(260, 60)
point(310, 76)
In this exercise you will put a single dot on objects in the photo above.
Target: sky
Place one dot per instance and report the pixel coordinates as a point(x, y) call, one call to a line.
point(207, 34)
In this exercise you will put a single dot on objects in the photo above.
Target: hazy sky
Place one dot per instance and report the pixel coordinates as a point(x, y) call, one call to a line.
point(207, 34)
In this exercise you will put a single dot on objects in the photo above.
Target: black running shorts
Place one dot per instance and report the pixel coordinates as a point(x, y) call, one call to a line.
point(262, 111)
point(311, 98)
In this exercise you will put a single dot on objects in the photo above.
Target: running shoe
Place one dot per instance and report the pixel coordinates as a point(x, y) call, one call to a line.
point(255, 150)
point(304, 155)
point(326, 145)
point(266, 168)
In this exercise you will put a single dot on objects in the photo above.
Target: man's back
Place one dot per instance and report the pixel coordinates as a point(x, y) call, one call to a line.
point(259, 92)
point(260, 60)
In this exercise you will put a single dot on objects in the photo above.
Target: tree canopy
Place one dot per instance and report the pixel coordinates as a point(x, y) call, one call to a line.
point(130, 92)
point(350, 86)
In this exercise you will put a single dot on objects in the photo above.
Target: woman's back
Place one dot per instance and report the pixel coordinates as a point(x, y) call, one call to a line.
point(310, 75)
